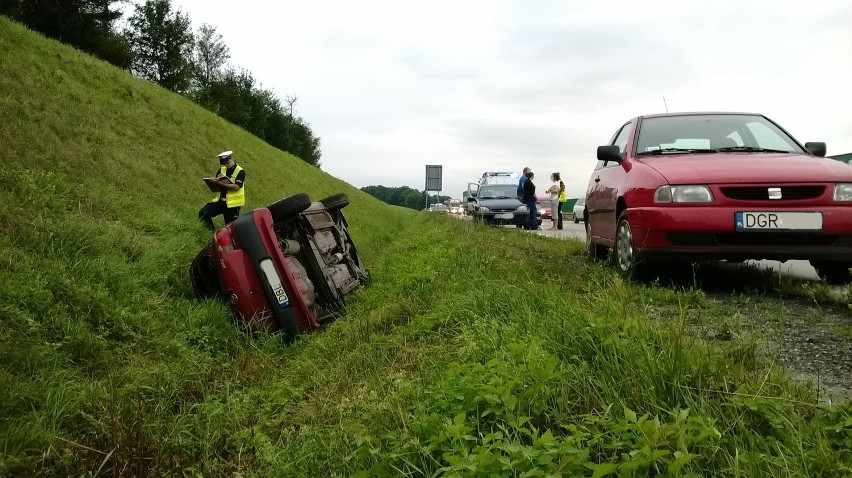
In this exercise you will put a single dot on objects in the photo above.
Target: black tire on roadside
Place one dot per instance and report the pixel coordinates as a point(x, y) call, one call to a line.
point(289, 206)
point(834, 272)
point(595, 251)
point(336, 201)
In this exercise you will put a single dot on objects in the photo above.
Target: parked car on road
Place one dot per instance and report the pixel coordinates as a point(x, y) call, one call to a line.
point(543, 207)
point(579, 206)
point(284, 268)
point(498, 204)
point(488, 177)
point(686, 187)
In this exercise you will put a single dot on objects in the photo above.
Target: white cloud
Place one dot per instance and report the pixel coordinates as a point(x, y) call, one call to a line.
point(497, 85)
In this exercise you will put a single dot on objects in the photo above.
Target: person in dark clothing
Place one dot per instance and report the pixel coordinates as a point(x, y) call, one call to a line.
point(231, 196)
point(530, 200)
point(521, 183)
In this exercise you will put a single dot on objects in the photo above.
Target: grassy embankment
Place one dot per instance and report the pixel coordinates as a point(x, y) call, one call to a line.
point(476, 351)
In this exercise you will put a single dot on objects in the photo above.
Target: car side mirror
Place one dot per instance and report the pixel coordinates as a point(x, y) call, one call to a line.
point(609, 153)
point(816, 148)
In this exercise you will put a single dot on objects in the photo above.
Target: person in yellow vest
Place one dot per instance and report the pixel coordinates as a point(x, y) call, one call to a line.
point(230, 179)
point(562, 198)
point(557, 198)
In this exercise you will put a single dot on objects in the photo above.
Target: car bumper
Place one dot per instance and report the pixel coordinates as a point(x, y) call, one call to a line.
point(693, 233)
point(240, 273)
point(506, 218)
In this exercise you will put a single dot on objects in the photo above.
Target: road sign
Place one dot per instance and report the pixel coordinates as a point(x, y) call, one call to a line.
point(433, 177)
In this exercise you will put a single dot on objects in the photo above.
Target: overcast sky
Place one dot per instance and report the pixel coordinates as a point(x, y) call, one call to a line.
point(391, 86)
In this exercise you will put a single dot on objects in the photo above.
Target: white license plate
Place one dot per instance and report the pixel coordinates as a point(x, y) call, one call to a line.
point(274, 283)
point(768, 220)
point(507, 215)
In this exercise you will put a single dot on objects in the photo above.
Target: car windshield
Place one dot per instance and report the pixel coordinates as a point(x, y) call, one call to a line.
point(580, 202)
point(711, 133)
point(498, 191)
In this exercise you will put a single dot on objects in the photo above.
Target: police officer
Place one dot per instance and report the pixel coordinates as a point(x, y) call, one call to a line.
point(230, 179)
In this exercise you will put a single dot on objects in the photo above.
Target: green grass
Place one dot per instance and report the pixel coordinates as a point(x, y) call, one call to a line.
point(475, 352)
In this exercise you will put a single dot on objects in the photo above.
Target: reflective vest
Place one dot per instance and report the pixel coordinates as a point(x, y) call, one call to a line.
point(563, 192)
point(232, 198)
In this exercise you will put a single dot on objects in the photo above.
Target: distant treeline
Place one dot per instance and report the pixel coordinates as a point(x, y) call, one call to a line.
point(403, 196)
point(159, 44)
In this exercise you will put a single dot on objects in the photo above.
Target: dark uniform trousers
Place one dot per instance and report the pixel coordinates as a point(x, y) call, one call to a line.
point(213, 209)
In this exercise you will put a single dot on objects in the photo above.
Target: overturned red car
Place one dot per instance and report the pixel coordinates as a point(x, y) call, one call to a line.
point(285, 268)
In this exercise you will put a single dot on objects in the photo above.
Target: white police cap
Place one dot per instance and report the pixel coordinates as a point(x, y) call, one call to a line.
point(225, 155)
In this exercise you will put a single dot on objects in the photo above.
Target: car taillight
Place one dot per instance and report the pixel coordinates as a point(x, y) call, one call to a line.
point(223, 240)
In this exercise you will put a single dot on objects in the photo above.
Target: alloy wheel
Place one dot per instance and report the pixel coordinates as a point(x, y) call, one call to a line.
point(624, 246)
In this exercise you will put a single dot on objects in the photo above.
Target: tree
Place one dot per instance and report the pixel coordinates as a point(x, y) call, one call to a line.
point(84, 24)
point(209, 56)
point(236, 97)
point(402, 196)
point(296, 135)
point(162, 42)
point(300, 141)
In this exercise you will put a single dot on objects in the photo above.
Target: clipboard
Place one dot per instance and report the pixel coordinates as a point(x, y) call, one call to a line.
point(213, 183)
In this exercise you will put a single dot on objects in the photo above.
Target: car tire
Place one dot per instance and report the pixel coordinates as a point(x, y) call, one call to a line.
point(576, 219)
point(834, 272)
point(337, 201)
point(595, 251)
point(631, 264)
point(288, 207)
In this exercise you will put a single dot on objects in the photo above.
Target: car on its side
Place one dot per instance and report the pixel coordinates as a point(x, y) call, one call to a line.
point(284, 268)
point(688, 187)
point(498, 204)
point(579, 206)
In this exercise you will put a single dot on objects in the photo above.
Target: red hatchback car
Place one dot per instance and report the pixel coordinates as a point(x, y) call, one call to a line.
point(285, 268)
point(689, 187)
point(543, 207)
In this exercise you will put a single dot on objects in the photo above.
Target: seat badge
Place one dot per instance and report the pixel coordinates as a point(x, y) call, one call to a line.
point(774, 193)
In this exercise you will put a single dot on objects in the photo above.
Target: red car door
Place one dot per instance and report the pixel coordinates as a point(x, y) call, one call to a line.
point(603, 190)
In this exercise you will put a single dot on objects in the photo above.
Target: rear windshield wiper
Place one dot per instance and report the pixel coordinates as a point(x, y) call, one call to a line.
point(749, 149)
point(676, 151)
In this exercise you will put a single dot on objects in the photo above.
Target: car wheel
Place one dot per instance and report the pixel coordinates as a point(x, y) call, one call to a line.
point(576, 219)
point(629, 263)
point(834, 272)
point(284, 209)
point(337, 201)
point(595, 251)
